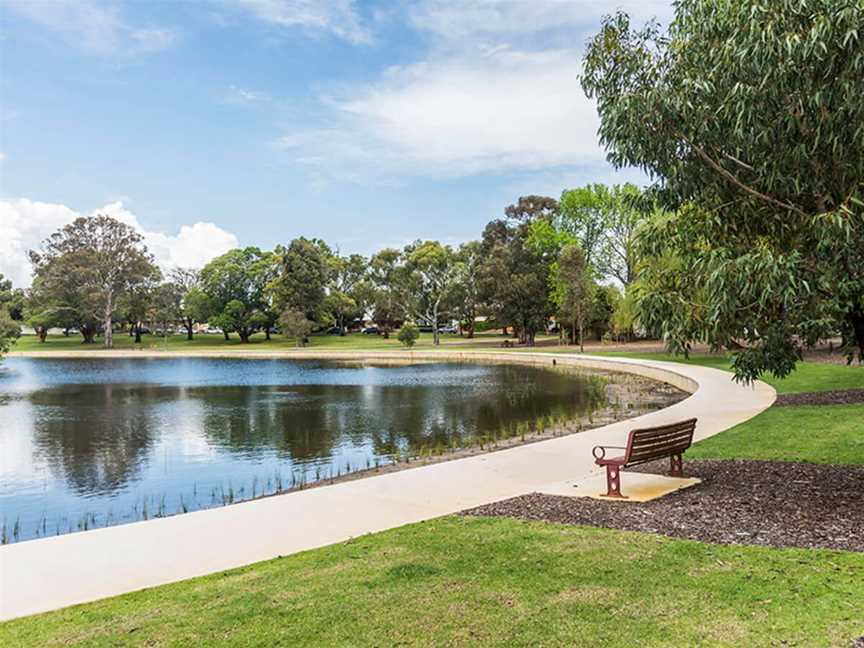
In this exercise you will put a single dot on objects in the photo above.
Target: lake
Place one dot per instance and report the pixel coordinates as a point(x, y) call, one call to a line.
point(87, 443)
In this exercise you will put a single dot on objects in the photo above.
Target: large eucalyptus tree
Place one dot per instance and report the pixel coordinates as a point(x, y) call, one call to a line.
point(749, 115)
point(88, 265)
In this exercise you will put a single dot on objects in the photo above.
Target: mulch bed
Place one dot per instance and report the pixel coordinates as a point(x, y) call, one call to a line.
point(838, 397)
point(767, 503)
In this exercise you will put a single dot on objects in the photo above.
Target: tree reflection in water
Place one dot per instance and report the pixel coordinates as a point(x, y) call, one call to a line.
point(122, 440)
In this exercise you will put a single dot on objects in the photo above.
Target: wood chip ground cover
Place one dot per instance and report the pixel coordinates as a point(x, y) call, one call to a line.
point(768, 503)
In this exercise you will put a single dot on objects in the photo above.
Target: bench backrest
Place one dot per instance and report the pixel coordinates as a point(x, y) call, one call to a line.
point(648, 444)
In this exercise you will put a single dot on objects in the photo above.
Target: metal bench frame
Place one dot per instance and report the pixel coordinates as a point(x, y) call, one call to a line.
point(644, 445)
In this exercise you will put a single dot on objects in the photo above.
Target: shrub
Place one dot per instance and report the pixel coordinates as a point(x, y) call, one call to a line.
point(408, 334)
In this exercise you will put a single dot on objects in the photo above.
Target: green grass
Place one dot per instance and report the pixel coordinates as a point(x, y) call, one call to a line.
point(826, 434)
point(488, 582)
point(807, 377)
point(217, 342)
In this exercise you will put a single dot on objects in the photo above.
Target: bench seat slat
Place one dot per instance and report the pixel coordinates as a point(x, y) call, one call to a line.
point(648, 444)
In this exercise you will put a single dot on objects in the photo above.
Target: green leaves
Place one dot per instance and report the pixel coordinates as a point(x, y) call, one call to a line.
point(9, 331)
point(749, 115)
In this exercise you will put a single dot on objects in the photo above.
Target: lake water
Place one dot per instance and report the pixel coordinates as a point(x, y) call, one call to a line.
point(92, 442)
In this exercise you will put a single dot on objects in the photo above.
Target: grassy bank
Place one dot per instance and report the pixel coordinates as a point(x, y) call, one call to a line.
point(488, 582)
point(831, 434)
point(258, 343)
point(807, 377)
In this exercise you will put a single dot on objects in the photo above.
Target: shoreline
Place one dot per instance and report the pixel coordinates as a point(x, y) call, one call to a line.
point(672, 373)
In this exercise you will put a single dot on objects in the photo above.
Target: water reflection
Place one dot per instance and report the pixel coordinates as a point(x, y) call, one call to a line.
point(105, 441)
point(94, 438)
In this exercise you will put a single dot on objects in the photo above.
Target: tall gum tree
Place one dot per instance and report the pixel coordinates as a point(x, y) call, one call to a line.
point(435, 270)
point(749, 116)
point(98, 257)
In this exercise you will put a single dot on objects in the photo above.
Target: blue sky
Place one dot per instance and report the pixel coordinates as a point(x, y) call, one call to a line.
point(367, 124)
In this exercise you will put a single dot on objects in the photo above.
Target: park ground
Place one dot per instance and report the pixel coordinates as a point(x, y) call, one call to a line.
point(505, 580)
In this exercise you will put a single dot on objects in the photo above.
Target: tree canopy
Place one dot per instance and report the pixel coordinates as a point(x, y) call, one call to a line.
point(83, 270)
point(514, 276)
point(237, 284)
point(9, 326)
point(749, 117)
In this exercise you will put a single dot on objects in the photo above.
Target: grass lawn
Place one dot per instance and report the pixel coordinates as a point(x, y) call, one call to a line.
point(488, 582)
point(807, 377)
point(217, 342)
point(826, 434)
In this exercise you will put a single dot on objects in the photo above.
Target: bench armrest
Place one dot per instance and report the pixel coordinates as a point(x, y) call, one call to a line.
point(603, 450)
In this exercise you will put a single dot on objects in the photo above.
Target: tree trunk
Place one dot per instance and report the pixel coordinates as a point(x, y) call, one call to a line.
point(856, 318)
point(189, 324)
point(41, 333)
point(581, 336)
point(244, 335)
point(225, 333)
point(87, 334)
point(137, 333)
point(266, 332)
point(471, 326)
point(109, 333)
point(436, 335)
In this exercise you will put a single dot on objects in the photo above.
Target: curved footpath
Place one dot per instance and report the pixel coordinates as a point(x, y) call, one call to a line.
point(50, 573)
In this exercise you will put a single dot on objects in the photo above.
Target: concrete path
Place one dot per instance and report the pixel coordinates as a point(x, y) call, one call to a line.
point(51, 573)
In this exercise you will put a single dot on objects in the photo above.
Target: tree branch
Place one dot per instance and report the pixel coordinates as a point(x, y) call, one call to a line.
point(738, 183)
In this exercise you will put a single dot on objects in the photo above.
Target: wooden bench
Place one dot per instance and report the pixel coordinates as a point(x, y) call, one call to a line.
point(644, 445)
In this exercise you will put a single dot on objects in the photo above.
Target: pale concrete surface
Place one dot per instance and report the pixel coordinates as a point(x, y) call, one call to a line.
point(636, 487)
point(51, 573)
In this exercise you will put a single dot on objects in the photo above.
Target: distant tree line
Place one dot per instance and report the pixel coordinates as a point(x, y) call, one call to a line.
point(545, 261)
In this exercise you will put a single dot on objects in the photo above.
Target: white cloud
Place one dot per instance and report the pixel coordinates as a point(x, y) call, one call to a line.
point(93, 26)
point(24, 224)
point(238, 95)
point(461, 20)
point(502, 111)
point(339, 17)
point(498, 91)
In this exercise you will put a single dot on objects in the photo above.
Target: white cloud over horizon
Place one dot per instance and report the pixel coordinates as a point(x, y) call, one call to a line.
point(497, 91)
point(500, 111)
point(26, 223)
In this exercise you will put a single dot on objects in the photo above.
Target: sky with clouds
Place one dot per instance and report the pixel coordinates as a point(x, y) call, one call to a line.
point(219, 123)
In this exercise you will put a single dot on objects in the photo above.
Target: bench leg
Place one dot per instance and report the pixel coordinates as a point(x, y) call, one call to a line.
point(613, 481)
point(676, 468)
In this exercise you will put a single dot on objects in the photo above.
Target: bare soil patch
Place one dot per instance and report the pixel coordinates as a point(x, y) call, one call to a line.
point(769, 503)
point(836, 397)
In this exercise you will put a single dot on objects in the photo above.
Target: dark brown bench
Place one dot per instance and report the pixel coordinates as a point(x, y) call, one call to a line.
point(644, 445)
